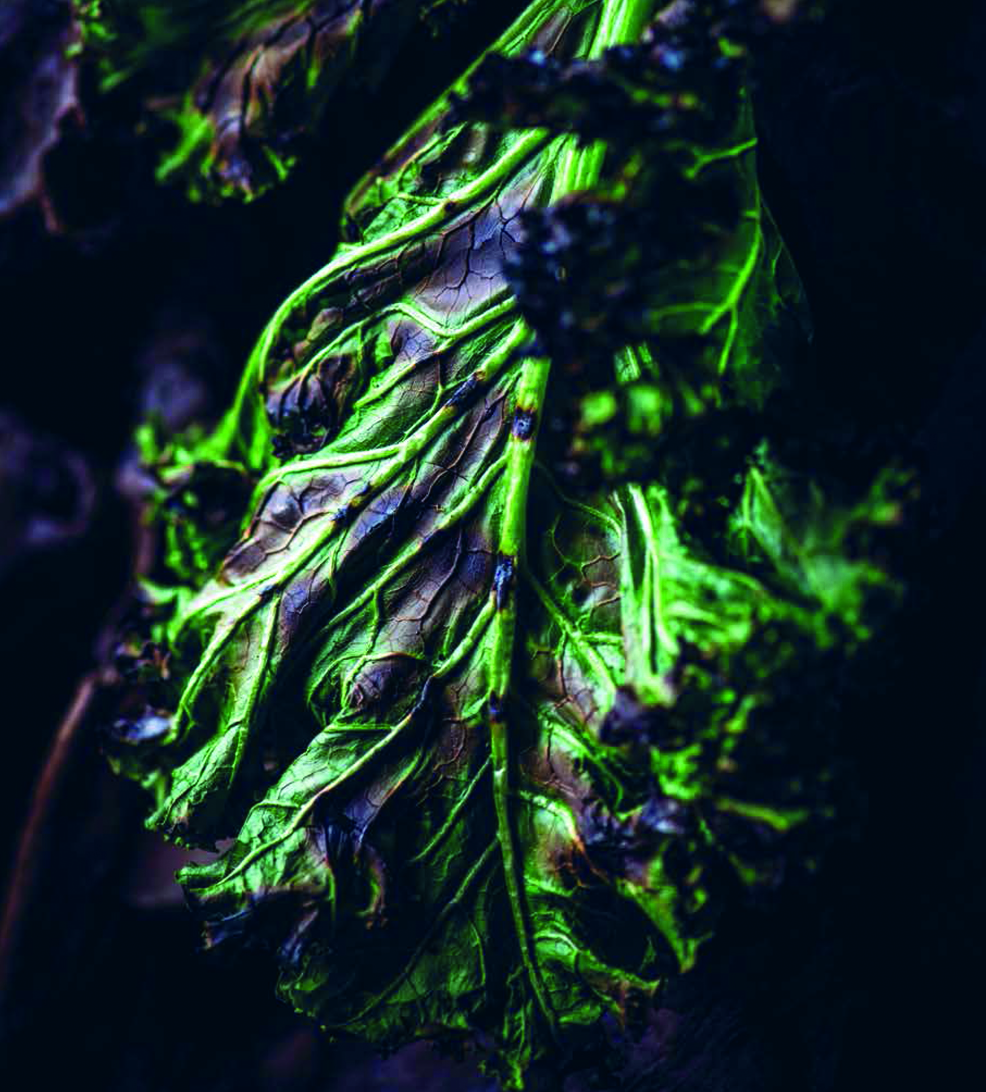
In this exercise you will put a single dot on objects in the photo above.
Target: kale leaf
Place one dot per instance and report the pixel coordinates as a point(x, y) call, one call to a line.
point(244, 82)
point(494, 749)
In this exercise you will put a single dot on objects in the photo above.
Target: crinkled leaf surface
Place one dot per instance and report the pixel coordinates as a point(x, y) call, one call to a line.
point(244, 81)
point(487, 750)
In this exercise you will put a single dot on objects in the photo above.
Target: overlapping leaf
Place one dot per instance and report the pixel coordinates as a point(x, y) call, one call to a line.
point(244, 82)
point(490, 751)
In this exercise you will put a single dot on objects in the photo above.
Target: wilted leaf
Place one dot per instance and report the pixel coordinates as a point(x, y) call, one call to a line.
point(493, 754)
point(244, 83)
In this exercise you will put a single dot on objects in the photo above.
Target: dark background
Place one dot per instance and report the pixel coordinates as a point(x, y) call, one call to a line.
point(873, 159)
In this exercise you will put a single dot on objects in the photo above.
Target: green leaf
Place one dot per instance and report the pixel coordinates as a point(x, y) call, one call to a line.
point(493, 755)
point(243, 82)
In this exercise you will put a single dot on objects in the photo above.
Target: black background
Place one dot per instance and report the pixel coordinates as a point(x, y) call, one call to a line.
point(873, 159)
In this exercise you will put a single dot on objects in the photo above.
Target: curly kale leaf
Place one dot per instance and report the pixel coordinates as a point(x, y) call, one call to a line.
point(671, 257)
point(493, 756)
point(244, 83)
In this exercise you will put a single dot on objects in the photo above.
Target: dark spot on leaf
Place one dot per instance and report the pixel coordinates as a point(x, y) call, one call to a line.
point(503, 580)
point(307, 407)
point(523, 423)
point(631, 721)
point(462, 393)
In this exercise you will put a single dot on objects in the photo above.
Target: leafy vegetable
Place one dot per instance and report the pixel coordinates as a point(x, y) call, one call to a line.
point(244, 81)
point(495, 748)
point(671, 256)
